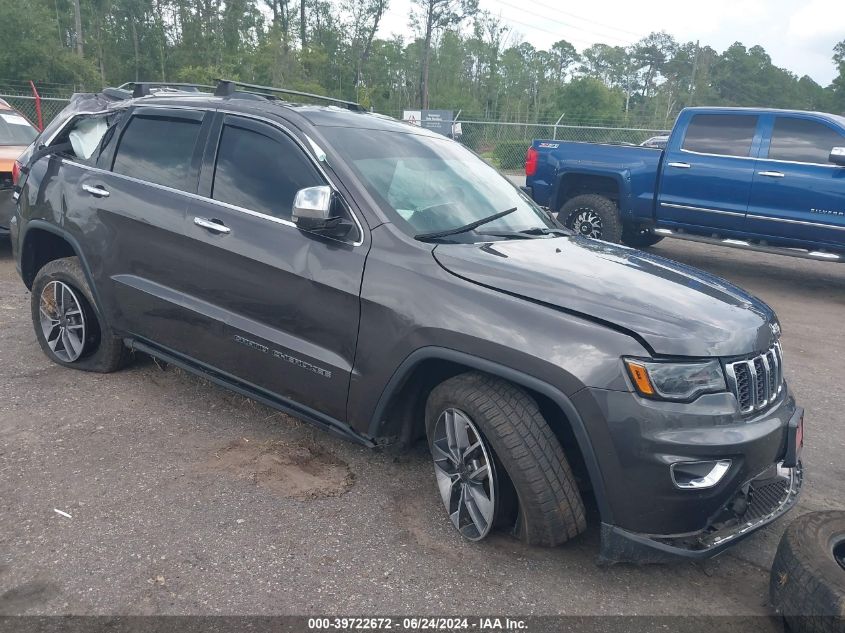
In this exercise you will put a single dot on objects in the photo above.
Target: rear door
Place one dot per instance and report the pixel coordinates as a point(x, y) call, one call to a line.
point(139, 202)
point(707, 173)
point(283, 304)
point(797, 193)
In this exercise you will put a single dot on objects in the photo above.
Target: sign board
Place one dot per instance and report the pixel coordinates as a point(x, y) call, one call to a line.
point(439, 121)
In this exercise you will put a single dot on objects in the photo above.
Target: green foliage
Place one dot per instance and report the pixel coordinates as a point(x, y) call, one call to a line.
point(510, 154)
point(458, 57)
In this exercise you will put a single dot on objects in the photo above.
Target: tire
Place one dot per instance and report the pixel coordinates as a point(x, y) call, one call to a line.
point(637, 237)
point(96, 348)
point(532, 473)
point(573, 213)
point(808, 582)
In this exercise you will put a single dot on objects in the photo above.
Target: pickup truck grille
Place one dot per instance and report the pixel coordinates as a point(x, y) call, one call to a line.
point(756, 382)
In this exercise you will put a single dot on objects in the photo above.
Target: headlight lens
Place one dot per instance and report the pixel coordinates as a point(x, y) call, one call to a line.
point(675, 381)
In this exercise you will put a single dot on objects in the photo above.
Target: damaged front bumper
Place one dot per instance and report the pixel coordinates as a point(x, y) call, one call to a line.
point(762, 500)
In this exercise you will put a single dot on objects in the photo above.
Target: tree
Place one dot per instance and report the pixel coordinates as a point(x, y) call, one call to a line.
point(430, 16)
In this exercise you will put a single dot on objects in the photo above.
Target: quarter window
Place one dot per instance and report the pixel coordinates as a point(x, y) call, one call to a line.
point(803, 141)
point(724, 134)
point(158, 150)
point(260, 173)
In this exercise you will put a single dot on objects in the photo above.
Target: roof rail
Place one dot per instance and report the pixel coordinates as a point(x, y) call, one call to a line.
point(146, 88)
point(229, 87)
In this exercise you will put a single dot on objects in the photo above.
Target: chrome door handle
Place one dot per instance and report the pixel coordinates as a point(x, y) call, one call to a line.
point(96, 191)
point(680, 165)
point(771, 174)
point(211, 225)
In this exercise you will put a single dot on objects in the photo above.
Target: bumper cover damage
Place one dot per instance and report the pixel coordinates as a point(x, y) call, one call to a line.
point(759, 502)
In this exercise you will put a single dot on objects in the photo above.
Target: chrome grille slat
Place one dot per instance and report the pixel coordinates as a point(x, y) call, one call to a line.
point(756, 382)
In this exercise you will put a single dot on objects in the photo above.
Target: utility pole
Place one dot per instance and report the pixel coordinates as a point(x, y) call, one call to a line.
point(301, 22)
point(694, 69)
point(77, 15)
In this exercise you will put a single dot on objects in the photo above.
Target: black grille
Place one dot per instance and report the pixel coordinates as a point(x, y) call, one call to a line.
point(766, 498)
point(757, 382)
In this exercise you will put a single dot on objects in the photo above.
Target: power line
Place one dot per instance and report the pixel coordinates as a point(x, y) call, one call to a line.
point(566, 24)
point(578, 17)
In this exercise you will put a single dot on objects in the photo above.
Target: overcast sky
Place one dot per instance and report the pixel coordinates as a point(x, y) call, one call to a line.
point(798, 35)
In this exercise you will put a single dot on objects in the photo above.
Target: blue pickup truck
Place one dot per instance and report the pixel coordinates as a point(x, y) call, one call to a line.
point(764, 180)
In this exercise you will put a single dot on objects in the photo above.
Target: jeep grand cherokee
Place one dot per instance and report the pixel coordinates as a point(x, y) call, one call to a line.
point(386, 284)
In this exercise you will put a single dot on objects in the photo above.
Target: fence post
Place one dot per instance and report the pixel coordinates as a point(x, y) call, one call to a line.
point(554, 134)
point(37, 107)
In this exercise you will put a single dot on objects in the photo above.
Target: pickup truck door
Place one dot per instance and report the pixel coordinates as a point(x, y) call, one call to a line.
point(281, 304)
point(797, 193)
point(708, 170)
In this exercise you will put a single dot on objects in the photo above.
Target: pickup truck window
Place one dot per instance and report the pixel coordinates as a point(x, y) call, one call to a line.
point(430, 184)
point(158, 150)
point(803, 141)
point(723, 134)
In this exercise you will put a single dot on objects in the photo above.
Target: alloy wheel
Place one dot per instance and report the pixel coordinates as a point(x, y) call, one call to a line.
point(465, 474)
point(586, 222)
point(62, 321)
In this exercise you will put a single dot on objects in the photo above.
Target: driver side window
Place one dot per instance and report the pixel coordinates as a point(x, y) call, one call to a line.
point(260, 169)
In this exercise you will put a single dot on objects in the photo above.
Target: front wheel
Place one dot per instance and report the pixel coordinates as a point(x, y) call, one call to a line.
point(592, 215)
point(497, 462)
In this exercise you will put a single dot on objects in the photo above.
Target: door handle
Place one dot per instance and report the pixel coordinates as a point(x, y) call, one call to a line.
point(215, 226)
point(771, 174)
point(680, 165)
point(100, 192)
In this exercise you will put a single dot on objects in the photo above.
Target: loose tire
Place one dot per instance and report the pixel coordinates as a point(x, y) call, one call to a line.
point(808, 575)
point(592, 215)
point(522, 455)
point(68, 328)
point(637, 237)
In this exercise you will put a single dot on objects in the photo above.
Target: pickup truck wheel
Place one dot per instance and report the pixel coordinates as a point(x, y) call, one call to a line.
point(592, 215)
point(638, 237)
point(808, 574)
point(494, 452)
point(67, 327)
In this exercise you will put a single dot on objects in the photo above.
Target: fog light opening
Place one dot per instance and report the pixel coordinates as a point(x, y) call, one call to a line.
point(699, 475)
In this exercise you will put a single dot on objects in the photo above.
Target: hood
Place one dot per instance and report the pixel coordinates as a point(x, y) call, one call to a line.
point(8, 154)
point(675, 309)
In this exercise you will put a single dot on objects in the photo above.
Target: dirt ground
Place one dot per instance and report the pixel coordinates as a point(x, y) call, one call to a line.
point(184, 498)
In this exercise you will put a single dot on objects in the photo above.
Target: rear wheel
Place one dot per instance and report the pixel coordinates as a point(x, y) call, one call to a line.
point(497, 462)
point(592, 215)
point(68, 328)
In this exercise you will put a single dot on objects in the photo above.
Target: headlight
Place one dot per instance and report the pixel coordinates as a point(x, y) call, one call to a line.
point(675, 381)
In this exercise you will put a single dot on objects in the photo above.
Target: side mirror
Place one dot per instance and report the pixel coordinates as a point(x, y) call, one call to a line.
point(312, 211)
point(837, 156)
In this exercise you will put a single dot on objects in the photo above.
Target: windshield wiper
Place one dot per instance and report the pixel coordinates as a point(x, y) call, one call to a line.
point(545, 231)
point(466, 227)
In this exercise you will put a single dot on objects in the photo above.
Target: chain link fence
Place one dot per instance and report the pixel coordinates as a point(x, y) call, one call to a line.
point(26, 105)
point(504, 144)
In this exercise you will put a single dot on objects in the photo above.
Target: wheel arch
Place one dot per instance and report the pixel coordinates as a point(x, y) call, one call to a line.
point(569, 184)
point(42, 243)
point(400, 409)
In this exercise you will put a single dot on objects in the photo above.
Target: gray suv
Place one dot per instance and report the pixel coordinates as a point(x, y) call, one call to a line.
point(387, 285)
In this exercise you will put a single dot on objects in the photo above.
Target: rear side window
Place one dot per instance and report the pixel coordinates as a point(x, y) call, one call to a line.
point(260, 172)
point(158, 150)
point(725, 134)
point(803, 141)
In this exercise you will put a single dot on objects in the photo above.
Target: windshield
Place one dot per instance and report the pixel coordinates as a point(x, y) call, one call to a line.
point(429, 185)
point(14, 129)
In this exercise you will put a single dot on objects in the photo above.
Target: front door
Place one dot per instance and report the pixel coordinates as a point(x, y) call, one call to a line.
point(797, 193)
point(707, 174)
point(283, 304)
